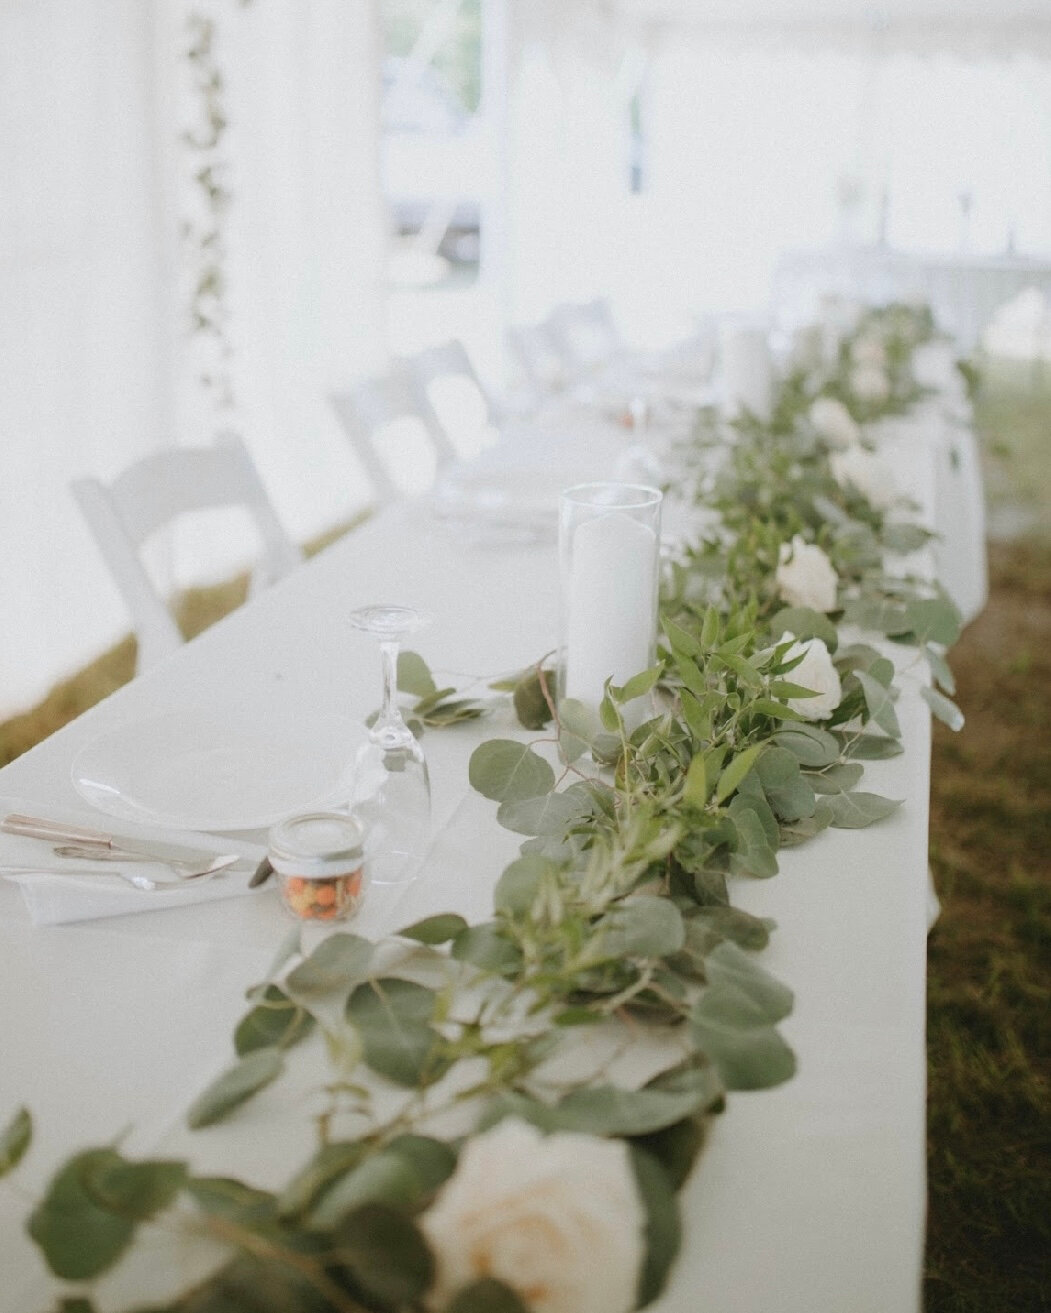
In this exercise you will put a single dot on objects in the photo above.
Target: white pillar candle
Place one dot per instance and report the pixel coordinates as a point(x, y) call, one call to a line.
point(747, 371)
point(611, 603)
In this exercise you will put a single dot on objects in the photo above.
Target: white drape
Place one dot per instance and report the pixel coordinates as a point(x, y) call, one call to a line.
point(95, 366)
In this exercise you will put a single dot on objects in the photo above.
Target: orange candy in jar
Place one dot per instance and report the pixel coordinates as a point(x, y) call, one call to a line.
point(318, 859)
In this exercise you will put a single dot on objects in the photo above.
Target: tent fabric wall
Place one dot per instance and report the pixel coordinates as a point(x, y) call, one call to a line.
point(96, 363)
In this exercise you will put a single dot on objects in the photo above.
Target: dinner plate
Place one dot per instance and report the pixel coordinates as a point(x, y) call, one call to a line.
point(201, 771)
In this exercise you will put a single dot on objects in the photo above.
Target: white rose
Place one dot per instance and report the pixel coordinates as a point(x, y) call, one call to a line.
point(556, 1217)
point(815, 671)
point(869, 474)
point(870, 382)
point(869, 351)
point(805, 576)
point(834, 422)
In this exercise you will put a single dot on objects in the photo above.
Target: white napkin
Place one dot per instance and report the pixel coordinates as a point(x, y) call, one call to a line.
point(59, 890)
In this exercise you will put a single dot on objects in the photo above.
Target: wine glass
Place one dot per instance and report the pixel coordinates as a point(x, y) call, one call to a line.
point(392, 790)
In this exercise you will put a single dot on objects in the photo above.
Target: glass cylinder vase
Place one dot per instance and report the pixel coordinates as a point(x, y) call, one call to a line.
point(609, 564)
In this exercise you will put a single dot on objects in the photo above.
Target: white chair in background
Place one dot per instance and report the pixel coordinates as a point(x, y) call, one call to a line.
point(395, 432)
point(466, 409)
point(539, 358)
point(151, 494)
point(586, 334)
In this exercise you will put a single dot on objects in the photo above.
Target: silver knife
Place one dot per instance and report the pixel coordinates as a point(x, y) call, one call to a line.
point(38, 827)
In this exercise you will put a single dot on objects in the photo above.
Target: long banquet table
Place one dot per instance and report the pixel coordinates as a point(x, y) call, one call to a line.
point(810, 1196)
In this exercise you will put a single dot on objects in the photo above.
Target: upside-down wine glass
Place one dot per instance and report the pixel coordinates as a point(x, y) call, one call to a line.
point(392, 790)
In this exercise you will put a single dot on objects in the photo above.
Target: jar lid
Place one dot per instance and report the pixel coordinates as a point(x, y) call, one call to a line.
point(316, 844)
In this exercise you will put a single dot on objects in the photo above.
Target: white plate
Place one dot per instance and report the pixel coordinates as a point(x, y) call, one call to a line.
point(197, 771)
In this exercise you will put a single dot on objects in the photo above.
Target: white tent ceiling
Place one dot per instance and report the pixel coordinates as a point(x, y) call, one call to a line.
point(971, 27)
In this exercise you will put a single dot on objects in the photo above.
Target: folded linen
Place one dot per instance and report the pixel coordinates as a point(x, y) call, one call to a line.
point(55, 892)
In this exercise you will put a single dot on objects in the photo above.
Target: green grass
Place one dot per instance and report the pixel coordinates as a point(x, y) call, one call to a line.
point(989, 977)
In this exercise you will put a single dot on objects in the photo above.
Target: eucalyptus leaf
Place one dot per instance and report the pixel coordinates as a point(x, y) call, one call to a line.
point(940, 671)
point(836, 779)
point(232, 1200)
point(385, 1178)
point(518, 886)
point(79, 1238)
point(880, 704)
point(276, 1021)
point(804, 622)
point(414, 677)
point(933, 620)
point(854, 811)
point(486, 1295)
point(695, 786)
point(485, 947)
point(871, 747)
point(643, 925)
point(663, 1229)
point(547, 814)
point(786, 789)
point(437, 929)
point(254, 1071)
point(385, 1253)
point(749, 1054)
point(729, 964)
point(731, 923)
point(15, 1140)
point(335, 964)
point(530, 704)
point(609, 1110)
point(578, 728)
point(136, 1190)
point(392, 1017)
point(946, 710)
point(809, 745)
point(739, 766)
point(752, 853)
point(505, 770)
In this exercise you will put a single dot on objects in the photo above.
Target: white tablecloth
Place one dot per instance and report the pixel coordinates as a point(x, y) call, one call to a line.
point(808, 1197)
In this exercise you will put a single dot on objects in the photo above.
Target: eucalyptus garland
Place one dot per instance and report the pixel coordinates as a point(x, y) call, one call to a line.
point(615, 916)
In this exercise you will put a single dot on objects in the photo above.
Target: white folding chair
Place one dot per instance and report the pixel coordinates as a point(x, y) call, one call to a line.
point(153, 492)
point(586, 333)
point(539, 358)
point(395, 432)
point(465, 408)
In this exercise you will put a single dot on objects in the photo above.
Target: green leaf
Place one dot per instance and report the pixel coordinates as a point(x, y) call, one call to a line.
point(946, 710)
point(15, 1140)
point(608, 1110)
point(853, 811)
point(880, 704)
point(809, 745)
point(695, 787)
point(744, 670)
point(788, 793)
point(335, 964)
point(748, 1052)
point(504, 770)
point(731, 923)
point(803, 622)
point(486, 1295)
point(775, 710)
point(683, 643)
point(609, 714)
point(531, 706)
point(232, 1200)
point(78, 1237)
point(432, 1161)
point(903, 538)
point(752, 853)
point(385, 1253)
point(870, 747)
point(485, 947)
point(385, 1178)
point(235, 1086)
point(940, 671)
point(663, 1229)
point(837, 779)
point(392, 1017)
point(550, 813)
point(414, 677)
point(698, 720)
point(517, 888)
point(644, 925)
point(434, 929)
point(137, 1190)
point(735, 772)
point(578, 728)
point(638, 685)
point(277, 1021)
point(933, 620)
point(731, 965)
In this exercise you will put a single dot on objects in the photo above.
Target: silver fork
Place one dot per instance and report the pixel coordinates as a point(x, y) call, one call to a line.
point(182, 870)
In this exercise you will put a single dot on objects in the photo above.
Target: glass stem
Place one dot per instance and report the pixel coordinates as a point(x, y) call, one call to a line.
point(390, 717)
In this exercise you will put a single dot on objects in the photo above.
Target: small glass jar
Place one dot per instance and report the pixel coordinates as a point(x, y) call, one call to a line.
point(318, 859)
